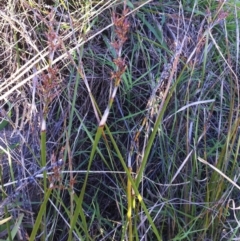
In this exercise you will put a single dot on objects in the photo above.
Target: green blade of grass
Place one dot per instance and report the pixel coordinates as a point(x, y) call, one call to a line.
point(41, 213)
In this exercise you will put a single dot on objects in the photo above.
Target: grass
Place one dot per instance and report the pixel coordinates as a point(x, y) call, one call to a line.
point(141, 102)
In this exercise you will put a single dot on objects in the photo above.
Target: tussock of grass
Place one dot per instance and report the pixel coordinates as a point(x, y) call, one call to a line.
point(141, 102)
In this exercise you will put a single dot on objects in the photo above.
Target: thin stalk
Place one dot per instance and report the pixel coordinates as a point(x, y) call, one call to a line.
point(162, 108)
point(43, 163)
point(134, 186)
point(41, 213)
point(68, 134)
point(129, 211)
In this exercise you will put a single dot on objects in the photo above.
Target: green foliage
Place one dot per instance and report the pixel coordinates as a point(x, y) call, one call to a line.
point(142, 106)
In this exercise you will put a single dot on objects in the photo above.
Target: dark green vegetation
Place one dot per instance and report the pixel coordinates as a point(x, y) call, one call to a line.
point(141, 102)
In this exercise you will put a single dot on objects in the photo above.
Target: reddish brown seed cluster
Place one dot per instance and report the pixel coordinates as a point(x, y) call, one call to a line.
point(52, 36)
point(121, 28)
point(56, 176)
point(120, 63)
point(49, 87)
